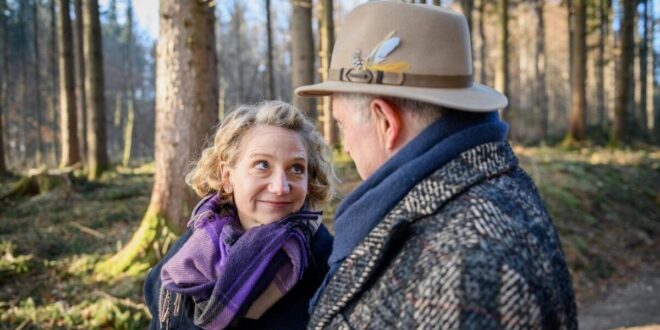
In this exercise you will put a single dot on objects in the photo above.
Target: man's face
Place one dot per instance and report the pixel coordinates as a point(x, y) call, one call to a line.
point(359, 137)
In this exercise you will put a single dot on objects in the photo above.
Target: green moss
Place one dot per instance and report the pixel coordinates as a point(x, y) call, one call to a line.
point(104, 312)
point(144, 249)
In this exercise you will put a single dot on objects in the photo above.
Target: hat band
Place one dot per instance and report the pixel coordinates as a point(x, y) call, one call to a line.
point(399, 78)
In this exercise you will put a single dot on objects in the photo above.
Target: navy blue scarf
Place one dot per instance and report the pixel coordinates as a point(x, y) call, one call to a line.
point(439, 143)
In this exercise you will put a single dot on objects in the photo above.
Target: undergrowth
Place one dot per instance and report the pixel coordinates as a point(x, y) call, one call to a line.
point(603, 202)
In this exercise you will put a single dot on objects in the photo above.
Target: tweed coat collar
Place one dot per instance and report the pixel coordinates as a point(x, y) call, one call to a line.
point(468, 169)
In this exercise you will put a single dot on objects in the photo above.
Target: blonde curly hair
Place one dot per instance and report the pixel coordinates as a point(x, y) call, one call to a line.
point(206, 174)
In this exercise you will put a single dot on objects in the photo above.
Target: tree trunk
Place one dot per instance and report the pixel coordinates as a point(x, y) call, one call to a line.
point(4, 38)
point(570, 9)
point(130, 98)
point(94, 88)
point(483, 77)
point(54, 90)
point(577, 119)
point(502, 71)
point(327, 29)
point(117, 113)
point(468, 7)
point(186, 109)
point(643, 65)
point(302, 54)
point(603, 16)
point(270, 86)
point(69, 123)
point(22, 86)
point(655, 107)
point(81, 106)
point(541, 92)
point(621, 127)
point(128, 131)
point(238, 35)
point(37, 81)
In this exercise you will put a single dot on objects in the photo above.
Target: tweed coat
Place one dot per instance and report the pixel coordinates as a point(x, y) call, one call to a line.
point(471, 246)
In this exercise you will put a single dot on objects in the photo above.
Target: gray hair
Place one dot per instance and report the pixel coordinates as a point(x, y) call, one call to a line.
point(425, 112)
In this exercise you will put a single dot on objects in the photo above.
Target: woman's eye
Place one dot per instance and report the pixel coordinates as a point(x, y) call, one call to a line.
point(298, 169)
point(261, 165)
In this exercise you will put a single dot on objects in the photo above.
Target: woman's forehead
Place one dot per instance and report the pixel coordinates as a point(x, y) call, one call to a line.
point(273, 140)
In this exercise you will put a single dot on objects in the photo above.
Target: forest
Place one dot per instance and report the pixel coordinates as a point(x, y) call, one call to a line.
point(100, 120)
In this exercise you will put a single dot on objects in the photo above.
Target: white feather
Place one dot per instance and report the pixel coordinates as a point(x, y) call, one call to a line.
point(385, 49)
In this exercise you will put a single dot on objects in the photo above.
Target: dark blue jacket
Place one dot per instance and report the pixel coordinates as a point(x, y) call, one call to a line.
point(290, 312)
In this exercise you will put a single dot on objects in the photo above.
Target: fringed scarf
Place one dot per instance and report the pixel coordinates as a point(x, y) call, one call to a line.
point(228, 271)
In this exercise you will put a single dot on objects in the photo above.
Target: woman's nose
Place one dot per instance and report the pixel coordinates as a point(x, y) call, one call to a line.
point(279, 184)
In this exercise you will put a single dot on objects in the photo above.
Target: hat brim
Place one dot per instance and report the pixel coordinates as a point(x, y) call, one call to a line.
point(478, 98)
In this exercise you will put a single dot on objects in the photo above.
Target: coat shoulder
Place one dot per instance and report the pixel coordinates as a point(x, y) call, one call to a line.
point(489, 257)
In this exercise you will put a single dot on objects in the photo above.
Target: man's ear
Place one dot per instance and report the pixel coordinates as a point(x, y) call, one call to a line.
point(387, 120)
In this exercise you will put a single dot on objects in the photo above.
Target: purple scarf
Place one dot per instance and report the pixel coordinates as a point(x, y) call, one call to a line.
point(225, 269)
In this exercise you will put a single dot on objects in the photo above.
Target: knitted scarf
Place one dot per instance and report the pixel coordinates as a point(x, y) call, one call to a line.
point(439, 143)
point(225, 269)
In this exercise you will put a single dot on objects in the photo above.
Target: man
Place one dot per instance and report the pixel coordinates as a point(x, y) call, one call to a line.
point(446, 231)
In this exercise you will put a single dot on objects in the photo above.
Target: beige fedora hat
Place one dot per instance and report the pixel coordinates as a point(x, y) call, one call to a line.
point(418, 52)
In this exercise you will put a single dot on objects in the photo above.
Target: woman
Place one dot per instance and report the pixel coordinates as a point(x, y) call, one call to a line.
point(255, 250)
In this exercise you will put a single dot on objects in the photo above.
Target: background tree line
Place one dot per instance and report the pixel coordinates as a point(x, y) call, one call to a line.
point(574, 69)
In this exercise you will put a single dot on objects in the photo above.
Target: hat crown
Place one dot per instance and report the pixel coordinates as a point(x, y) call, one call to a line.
point(431, 40)
point(416, 52)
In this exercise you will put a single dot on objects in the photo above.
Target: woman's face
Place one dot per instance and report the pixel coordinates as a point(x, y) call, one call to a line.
point(269, 178)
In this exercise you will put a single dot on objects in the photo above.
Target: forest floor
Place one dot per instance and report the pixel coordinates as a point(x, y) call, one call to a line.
point(604, 203)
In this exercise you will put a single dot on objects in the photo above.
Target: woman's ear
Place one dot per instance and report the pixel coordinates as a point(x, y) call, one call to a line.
point(388, 122)
point(225, 176)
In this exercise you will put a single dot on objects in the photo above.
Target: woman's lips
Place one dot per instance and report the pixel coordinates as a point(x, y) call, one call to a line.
point(277, 204)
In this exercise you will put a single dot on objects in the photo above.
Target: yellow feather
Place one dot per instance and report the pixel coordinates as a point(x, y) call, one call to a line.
point(390, 67)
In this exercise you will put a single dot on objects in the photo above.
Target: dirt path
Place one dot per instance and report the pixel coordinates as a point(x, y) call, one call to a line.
point(635, 304)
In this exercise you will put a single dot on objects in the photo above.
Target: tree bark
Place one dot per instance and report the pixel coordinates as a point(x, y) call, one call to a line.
point(270, 85)
point(4, 38)
point(130, 98)
point(502, 71)
point(37, 81)
point(483, 46)
point(54, 90)
point(655, 107)
point(468, 7)
point(570, 9)
point(541, 92)
point(69, 123)
point(81, 106)
point(643, 65)
point(238, 35)
point(302, 55)
point(21, 87)
point(603, 16)
point(186, 109)
point(94, 88)
point(621, 127)
point(577, 119)
point(327, 29)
